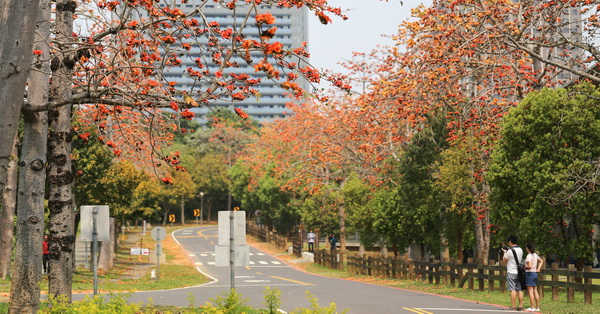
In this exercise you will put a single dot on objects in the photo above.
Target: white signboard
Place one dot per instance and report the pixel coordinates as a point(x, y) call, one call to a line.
point(102, 222)
point(239, 227)
point(139, 251)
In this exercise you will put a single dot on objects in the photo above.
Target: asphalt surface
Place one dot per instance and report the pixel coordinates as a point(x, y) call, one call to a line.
point(266, 270)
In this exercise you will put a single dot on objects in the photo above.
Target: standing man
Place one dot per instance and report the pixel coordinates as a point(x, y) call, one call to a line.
point(311, 241)
point(45, 254)
point(514, 286)
point(333, 242)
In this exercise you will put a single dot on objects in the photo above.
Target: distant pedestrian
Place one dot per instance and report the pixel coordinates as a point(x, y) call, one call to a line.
point(333, 242)
point(45, 254)
point(533, 264)
point(512, 273)
point(311, 241)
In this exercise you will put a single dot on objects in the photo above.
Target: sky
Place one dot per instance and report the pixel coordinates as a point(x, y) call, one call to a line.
point(367, 21)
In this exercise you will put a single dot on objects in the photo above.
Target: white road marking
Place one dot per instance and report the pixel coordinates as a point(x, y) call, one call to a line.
point(263, 262)
point(257, 280)
point(261, 254)
point(211, 263)
point(199, 263)
point(276, 262)
point(252, 263)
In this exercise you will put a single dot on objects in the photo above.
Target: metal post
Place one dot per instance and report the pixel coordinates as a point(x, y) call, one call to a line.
point(158, 249)
point(95, 248)
point(201, 205)
point(231, 250)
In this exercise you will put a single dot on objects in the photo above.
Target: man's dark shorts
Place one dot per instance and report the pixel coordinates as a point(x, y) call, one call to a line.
point(513, 283)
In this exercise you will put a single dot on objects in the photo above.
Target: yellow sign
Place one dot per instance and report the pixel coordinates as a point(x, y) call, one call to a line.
point(171, 218)
point(196, 212)
point(236, 208)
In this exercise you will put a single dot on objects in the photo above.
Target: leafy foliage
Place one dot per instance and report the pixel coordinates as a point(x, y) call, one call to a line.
point(542, 170)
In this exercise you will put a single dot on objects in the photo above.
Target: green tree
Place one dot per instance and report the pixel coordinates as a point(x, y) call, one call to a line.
point(453, 183)
point(414, 198)
point(358, 197)
point(117, 185)
point(542, 169)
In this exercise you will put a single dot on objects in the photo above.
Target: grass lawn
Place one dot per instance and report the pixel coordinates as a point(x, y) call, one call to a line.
point(132, 273)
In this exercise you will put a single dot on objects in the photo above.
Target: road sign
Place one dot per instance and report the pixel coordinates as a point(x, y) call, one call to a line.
point(158, 233)
point(196, 212)
point(102, 222)
point(239, 226)
point(236, 208)
point(171, 218)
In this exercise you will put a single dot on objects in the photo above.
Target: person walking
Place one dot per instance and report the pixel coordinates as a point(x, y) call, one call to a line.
point(45, 254)
point(333, 242)
point(311, 241)
point(512, 273)
point(533, 264)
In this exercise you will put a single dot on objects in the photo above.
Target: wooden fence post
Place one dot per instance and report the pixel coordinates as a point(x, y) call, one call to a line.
point(481, 272)
point(491, 274)
point(541, 277)
point(470, 271)
point(411, 269)
point(587, 290)
point(571, 279)
point(438, 275)
point(452, 267)
point(554, 278)
point(502, 275)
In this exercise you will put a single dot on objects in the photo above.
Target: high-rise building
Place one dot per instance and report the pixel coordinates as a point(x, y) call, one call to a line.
point(292, 31)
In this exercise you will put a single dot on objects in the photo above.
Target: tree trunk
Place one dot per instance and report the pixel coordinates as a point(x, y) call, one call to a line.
point(7, 215)
point(342, 213)
point(18, 20)
point(445, 250)
point(27, 272)
point(182, 211)
point(459, 245)
point(61, 203)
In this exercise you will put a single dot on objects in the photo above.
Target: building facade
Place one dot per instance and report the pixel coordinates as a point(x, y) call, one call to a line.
point(292, 31)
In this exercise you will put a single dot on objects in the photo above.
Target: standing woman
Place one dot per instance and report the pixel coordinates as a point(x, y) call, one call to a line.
point(533, 264)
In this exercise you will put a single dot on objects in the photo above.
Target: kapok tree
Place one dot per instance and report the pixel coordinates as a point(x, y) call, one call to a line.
point(119, 60)
point(457, 63)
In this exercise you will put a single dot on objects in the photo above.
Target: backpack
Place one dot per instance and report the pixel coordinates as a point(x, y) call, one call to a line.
point(520, 268)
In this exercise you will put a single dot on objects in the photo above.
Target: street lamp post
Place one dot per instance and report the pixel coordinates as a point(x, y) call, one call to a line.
point(201, 205)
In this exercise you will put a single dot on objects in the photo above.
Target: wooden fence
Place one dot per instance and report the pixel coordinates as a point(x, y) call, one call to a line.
point(488, 276)
point(261, 233)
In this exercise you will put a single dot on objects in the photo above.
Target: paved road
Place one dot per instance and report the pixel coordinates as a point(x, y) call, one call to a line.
point(266, 270)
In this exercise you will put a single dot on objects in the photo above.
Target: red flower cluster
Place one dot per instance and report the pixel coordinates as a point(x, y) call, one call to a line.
point(241, 113)
point(265, 18)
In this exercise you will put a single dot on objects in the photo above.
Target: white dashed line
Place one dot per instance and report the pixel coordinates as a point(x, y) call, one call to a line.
point(263, 262)
point(276, 262)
